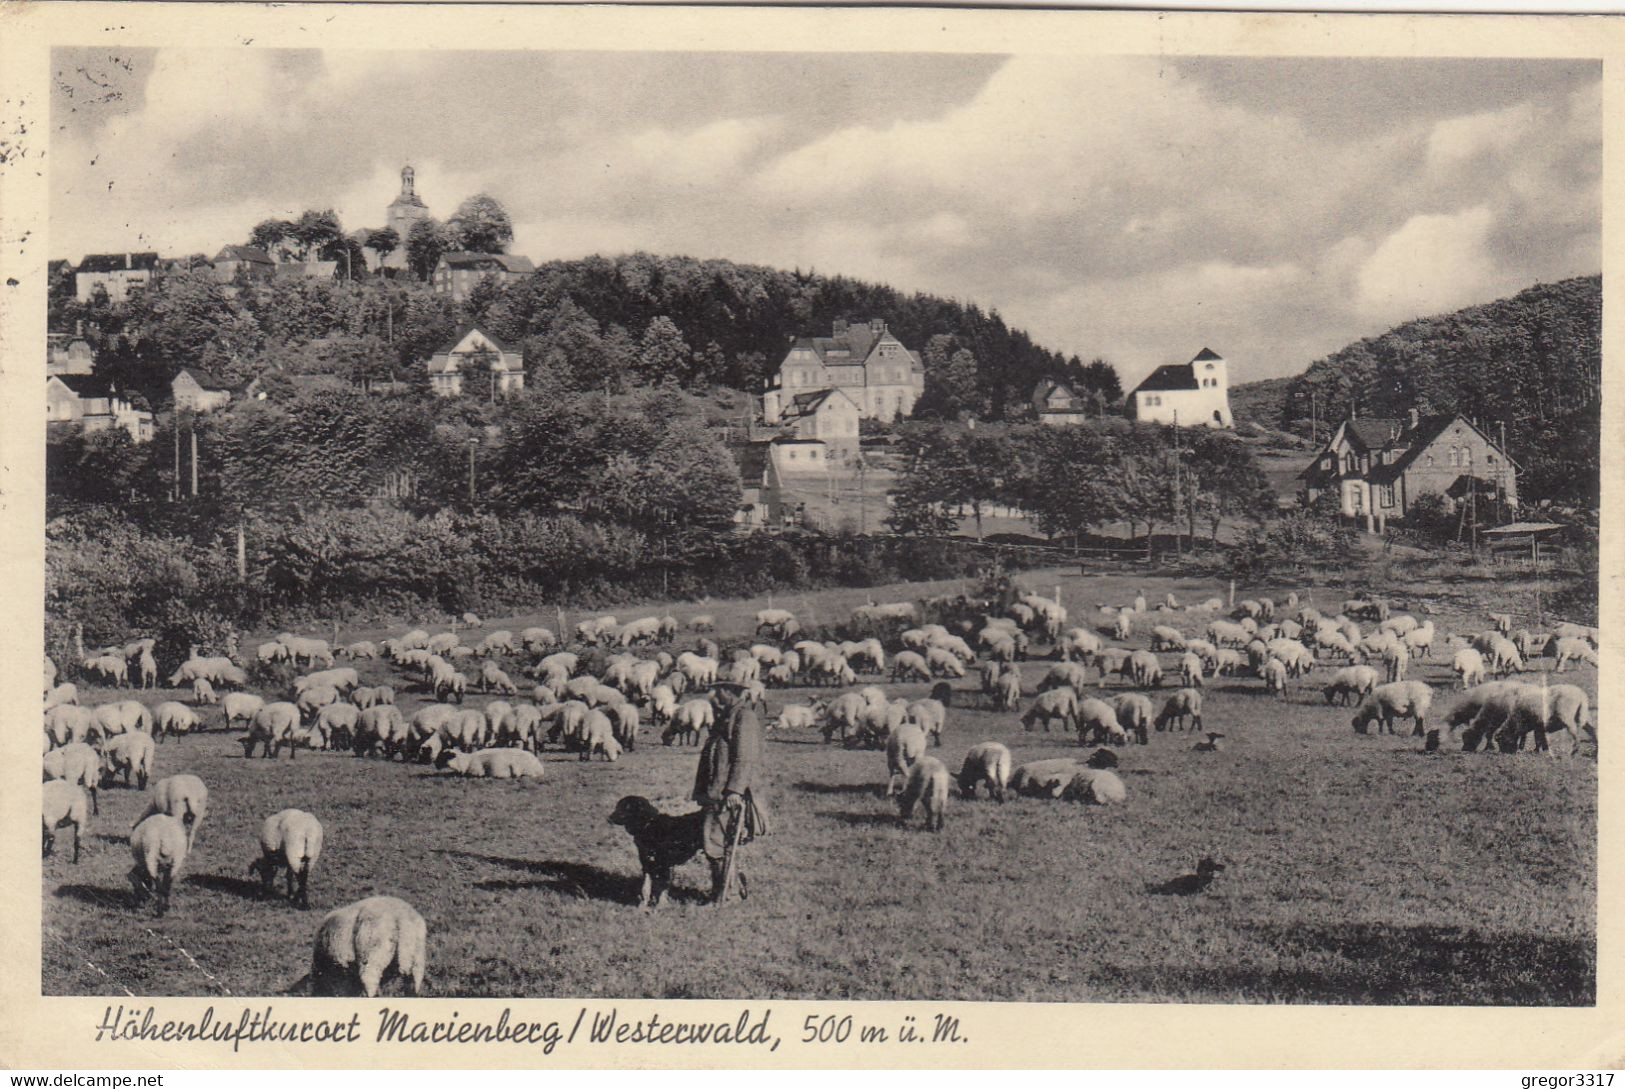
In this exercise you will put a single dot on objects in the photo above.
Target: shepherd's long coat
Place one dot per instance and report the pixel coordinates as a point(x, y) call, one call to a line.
point(731, 762)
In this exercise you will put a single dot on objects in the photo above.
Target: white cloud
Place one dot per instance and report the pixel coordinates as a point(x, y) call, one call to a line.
point(1432, 263)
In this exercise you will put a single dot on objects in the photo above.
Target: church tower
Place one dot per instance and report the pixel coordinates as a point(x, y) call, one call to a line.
point(404, 211)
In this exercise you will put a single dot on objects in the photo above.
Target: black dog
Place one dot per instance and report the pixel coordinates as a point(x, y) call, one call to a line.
point(664, 842)
point(1188, 884)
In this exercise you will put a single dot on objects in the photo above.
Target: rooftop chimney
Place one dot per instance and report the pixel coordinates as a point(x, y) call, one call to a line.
point(79, 328)
point(129, 261)
point(1415, 419)
point(877, 326)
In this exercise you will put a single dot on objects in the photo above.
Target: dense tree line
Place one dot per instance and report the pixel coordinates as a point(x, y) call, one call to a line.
point(1073, 480)
point(1532, 362)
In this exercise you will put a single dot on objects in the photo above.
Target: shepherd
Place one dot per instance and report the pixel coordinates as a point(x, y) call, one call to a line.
point(725, 785)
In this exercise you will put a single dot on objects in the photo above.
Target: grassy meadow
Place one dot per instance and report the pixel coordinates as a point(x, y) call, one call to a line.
point(1359, 870)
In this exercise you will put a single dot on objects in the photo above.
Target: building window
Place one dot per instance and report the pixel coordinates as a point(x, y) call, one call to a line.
point(1387, 495)
point(1455, 456)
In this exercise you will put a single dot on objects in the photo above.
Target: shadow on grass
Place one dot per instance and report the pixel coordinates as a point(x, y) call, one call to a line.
point(873, 789)
point(108, 837)
point(579, 879)
point(232, 886)
point(100, 896)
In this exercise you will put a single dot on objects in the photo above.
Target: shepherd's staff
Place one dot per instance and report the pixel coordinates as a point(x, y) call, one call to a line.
point(728, 853)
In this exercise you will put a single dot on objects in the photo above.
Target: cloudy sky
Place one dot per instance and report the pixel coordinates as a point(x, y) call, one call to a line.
point(1135, 208)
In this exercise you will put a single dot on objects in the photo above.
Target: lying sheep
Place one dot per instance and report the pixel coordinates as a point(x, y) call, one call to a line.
point(1044, 778)
point(904, 748)
point(78, 764)
point(128, 754)
point(491, 764)
point(1184, 706)
point(361, 946)
point(1093, 786)
point(159, 846)
point(1398, 699)
point(1350, 684)
point(796, 716)
point(986, 762)
point(926, 787)
point(64, 804)
point(183, 797)
point(292, 841)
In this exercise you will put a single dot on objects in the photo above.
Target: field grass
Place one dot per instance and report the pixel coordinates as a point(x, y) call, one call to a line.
point(1359, 869)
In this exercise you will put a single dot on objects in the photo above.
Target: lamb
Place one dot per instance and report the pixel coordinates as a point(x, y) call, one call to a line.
point(173, 718)
point(78, 764)
point(1097, 719)
point(1133, 712)
point(183, 797)
point(240, 706)
point(1056, 704)
point(1044, 778)
point(1123, 626)
point(1191, 669)
point(1398, 699)
point(904, 748)
point(64, 804)
point(492, 764)
point(986, 762)
point(796, 716)
point(360, 946)
point(1468, 664)
point(1350, 684)
point(128, 754)
point(1184, 705)
point(926, 787)
point(1574, 650)
point(159, 846)
point(1093, 786)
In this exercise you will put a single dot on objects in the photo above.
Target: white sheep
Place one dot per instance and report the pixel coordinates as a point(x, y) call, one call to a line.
point(1044, 778)
point(1166, 638)
point(693, 718)
point(908, 665)
point(360, 946)
point(1133, 711)
point(123, 716)
point(904, 748)
point(1350, 684)
point(926, 787)
point(493, 764)
point(1397, 699)
point(65, 694)
point(1057, 704)
point(796, 716)
point(1145, 669)
point(173, 718)
point(241, 707)
point(1097, 719)
point(64, 804)
point(598, 737)
point(128, 754)
point(1468, 665)
point(1574, 650)
point(931, 716)
point(159, 846)
point(1095, 786)
point(985, 762)
point(382, 724)
point(1274, 672)
point(1184, 706)
point(1192, 669)
point(336, 724)
point(183, 797)
point(79, 764)
point(275, 725)
point(67, 723)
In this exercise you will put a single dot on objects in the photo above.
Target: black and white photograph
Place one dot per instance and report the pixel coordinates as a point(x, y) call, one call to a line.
point(827, 519)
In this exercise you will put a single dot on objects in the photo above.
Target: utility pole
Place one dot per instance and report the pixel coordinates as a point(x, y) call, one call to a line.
point(175, 487)
point(1177, 501)
point(1314, 417)
point(193, 432)
point(242, 549)
point(472, 443)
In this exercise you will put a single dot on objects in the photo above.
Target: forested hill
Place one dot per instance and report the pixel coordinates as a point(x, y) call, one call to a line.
point(632, 320)
point(1532, 361)
point(737, 320)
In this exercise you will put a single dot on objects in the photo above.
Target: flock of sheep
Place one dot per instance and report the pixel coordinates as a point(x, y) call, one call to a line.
point(593, 690)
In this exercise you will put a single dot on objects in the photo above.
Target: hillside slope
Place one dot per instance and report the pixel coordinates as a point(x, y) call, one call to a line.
point(1532, 362)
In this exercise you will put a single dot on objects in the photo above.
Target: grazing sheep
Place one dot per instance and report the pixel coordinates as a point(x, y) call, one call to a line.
point(1166, 638)
point(66, 724)
point(1481, 710)
point(1468, 665)
point(79, 764)
point(183, 797)
point(361, 946)
point(1191, 670)
point(1145, 669)
point(692, 719)
point(926, 787)
point(493, 679)
point(1574, 650)
point(598, 737)
point(702, 623)
point(64, 803)
point(1398, 699)
point(1578, 631)
point(1274, 673)
point(1533, 644)
point(128, 754)
point(904, 748)
point(123, 716)
point(313, 698)
point(380, 725)
point(986, 762)
point(943, 663)
point(1044, 778)
point(1183, 706)
point(909, 666)
point(1419, 640)
point(1350, 684)
point(173, 718)
point(159, 846)
point(1502, 622)
point(274, 725)
point(240, 706)
point(931, 716)
point(1133, 712)
point(1093, 786)
point(64, 694)
point(1065, 675)
point(109, 667)
point(492, 764)
point(1545, 710)
point(336, 724)
point(1056, 704)
point(1096, 720)
point(779, 623)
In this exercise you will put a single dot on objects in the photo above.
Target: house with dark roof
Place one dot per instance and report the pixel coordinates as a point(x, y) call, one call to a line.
point(829, 416)
point(305, 270)
point(116, 273)
point(253, 263)
point(93, 404)
point(1058, 404)
point(481, 359)
point(1194, 394)
point(1378, 468)
point(864, 360)
point(457, 272)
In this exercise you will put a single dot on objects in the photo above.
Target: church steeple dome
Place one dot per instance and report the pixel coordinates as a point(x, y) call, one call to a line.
point(408, 178)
